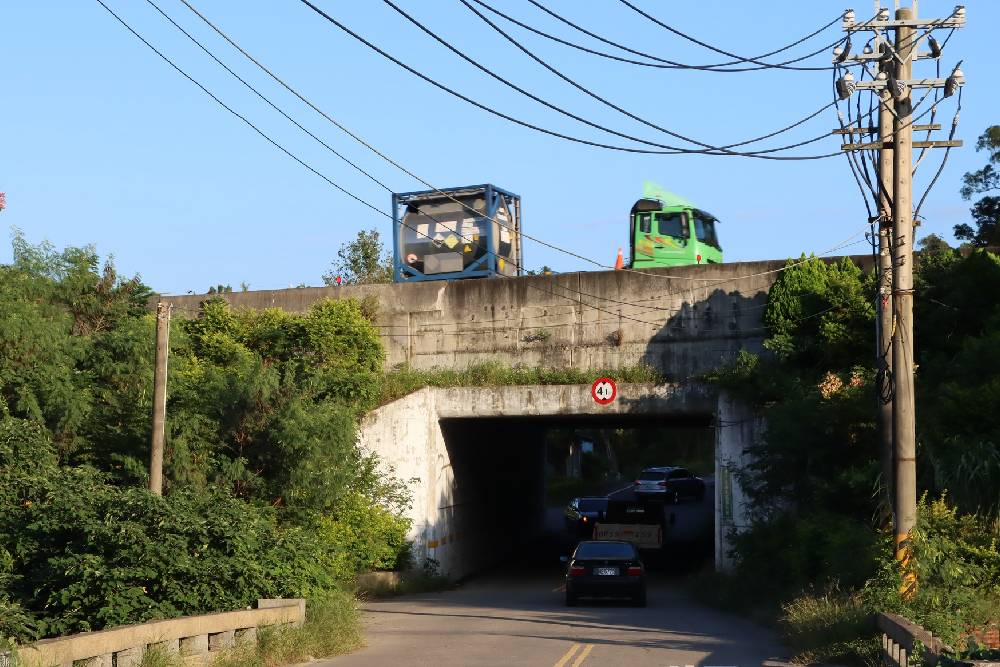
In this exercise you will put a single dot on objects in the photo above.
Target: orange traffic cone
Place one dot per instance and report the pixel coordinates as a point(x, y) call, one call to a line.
point(619, 261)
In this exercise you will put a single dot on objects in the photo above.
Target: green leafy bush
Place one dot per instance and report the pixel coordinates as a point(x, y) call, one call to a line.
point(405, 380)
point(88, 554)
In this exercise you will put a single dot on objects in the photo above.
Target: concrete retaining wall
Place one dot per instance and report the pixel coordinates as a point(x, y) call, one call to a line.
point(195, 637)
point(682, 321)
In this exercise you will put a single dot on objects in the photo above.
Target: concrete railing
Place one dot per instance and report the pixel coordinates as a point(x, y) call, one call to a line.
point(903, 641)
point(194, 637)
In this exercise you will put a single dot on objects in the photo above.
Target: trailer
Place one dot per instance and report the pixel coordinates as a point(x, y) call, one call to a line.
point(456, 233)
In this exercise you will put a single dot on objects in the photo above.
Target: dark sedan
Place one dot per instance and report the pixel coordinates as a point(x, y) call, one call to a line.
point(582, 513)
point(607, 570)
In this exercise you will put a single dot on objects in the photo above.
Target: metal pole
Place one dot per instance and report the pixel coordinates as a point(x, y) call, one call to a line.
point(159, 398)
point(884, 296)
point(904, 426)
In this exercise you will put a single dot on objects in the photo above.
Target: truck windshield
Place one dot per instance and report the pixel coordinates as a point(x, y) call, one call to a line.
point(704, 229)
point(671, 224)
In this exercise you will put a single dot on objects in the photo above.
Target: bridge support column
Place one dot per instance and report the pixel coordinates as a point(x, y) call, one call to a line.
point(736, 428)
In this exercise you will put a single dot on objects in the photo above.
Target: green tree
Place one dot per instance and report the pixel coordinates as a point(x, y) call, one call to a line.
point(546, 270)
point(934, 244)
point(819, 314)
point(986, 211)
point(363, 261)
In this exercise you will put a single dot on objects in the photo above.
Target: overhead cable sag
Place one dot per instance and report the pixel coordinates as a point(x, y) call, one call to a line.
point(715, 67)
point(332, 183)
point(669, 150)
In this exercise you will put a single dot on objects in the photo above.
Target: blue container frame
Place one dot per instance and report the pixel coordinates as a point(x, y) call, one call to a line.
point(485, 266)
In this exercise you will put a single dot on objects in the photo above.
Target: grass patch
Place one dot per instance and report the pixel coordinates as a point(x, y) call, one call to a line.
point(405, 380)
point(159, 657)
point(831, 627)
point(332, 627)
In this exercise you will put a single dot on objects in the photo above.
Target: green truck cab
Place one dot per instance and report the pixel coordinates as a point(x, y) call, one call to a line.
point(667, 230)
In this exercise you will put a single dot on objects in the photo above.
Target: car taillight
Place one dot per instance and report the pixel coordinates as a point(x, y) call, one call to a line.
point(638, 482)
point(577, 571)
point(585, 519)
point(635, 572)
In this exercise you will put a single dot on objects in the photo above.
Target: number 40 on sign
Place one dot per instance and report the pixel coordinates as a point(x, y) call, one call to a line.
point(604, 391)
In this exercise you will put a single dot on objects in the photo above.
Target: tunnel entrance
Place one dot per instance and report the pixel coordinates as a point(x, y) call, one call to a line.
point(514, 486)
point(492, 469)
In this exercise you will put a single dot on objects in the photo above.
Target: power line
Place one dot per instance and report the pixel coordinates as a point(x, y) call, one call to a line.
point(317, 172)
point(353, 135)
point(706, 67)
point(619, 316)
point(517, 121)
point(709, 46)
point(663, 64)
point(611, 105)
point(944, 159)
point(389, 159)
point(712, 282)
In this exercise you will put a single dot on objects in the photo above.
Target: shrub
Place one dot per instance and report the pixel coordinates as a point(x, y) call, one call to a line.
point(87, 555)
point(787, 554)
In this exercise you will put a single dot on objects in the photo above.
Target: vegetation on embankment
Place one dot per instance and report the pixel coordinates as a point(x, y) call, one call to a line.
point(404, 380)
point(818, 556)
point(265, 491)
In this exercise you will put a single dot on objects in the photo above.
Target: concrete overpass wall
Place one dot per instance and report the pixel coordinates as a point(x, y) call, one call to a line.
point(474, 457)
point(682, 321)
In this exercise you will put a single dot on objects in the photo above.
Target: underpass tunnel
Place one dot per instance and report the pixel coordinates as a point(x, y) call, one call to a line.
point(508, 480)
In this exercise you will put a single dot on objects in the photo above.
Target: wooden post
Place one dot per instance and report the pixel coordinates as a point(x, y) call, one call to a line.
point(159, 398)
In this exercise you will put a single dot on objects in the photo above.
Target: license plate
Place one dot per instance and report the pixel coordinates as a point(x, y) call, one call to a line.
point(606, 571)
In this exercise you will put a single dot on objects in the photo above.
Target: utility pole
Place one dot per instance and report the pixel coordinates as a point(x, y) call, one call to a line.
point(895, 86)
point(159, 397)
point(904, 429)
point(884, 303)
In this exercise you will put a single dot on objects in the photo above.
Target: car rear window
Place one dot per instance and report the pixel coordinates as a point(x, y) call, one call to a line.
point(604, 550)
point(652, 474)
point(593, 504)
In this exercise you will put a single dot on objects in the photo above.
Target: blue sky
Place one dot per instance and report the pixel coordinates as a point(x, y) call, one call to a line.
point(103, 143)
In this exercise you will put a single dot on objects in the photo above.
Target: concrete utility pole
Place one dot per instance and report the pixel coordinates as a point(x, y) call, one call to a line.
point(904, 413)
point(886, 179)
point(895, 85)
point(159, 398)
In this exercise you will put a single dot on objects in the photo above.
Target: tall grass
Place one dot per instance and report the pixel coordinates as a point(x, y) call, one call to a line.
point(830, 627)
point(405, 380)
point(332, 627)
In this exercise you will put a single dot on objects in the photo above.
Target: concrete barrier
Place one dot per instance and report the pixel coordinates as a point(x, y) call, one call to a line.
point(194, 637)
point(905, 643)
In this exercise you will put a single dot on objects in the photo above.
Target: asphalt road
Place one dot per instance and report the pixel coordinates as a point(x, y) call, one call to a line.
point(517, 617)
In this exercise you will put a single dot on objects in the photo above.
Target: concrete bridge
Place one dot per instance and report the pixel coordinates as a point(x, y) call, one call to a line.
point(476, 455)
point(682, 321)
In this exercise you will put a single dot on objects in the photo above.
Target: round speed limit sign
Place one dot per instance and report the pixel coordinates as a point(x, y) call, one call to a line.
point(604, 391)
